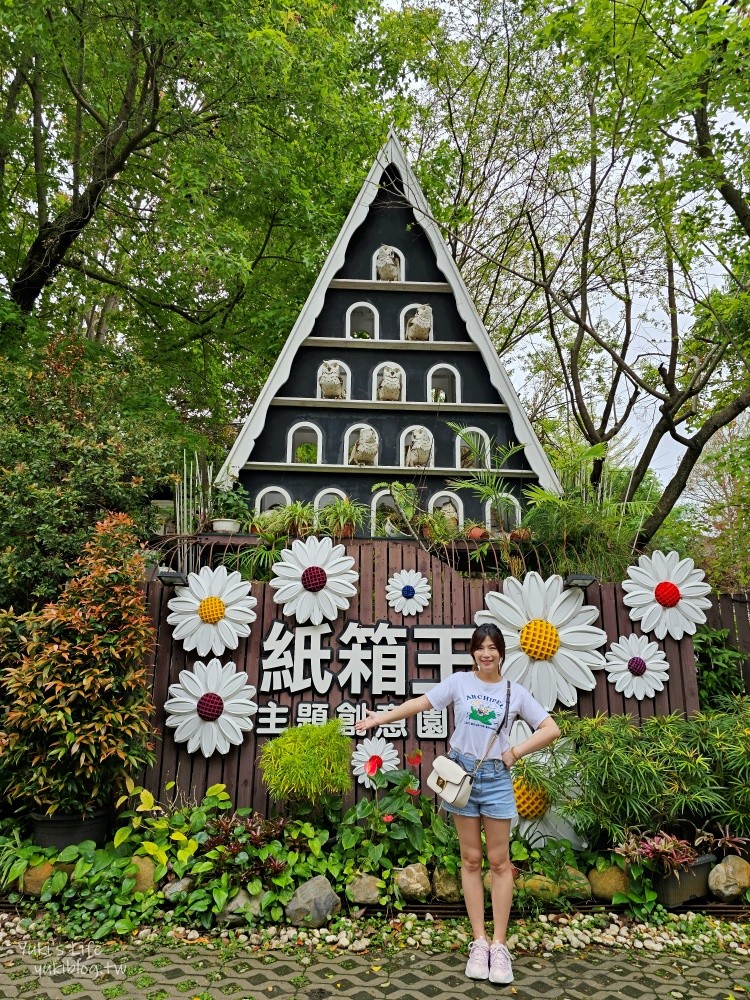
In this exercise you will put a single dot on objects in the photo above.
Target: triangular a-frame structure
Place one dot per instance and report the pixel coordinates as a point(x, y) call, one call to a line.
point(387, 350)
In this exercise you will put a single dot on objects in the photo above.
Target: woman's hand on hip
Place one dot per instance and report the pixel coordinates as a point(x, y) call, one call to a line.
point(509, 759)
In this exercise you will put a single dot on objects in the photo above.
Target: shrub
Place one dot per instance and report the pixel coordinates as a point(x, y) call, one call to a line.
point(307, 763)
point(77, 722)
point(719, 668)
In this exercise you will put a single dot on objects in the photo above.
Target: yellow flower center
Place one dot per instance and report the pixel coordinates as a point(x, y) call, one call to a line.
point(539, 640)
point(531, 803)
point(211, 610)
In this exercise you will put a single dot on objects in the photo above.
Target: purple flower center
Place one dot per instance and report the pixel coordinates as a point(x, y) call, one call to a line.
point(314, 579)
point(637, 666)
point(210, 706)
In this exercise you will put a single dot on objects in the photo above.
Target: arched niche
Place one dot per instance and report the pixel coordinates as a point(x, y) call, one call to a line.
point(327, 495)
point(504, 515)
point(401, 265)
point(410, 311)
point(346, 380)
point(271, 497)
point(362, 322)
point(385, 519)
point(439, 500)
point(466, 450)
point(387, 372)
point(304, 445)
point(359, 448)
point(443, 384)
point(415, 440)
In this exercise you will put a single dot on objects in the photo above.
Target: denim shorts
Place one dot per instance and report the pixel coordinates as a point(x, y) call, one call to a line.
point(492, 792)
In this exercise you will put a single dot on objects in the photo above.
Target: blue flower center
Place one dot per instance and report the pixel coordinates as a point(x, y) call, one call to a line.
point(408, 591)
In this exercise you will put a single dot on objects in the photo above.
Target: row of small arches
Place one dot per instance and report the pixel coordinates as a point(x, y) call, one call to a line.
point(273, 497)
point(362, 446)
point(363, 322)
point(442, 383)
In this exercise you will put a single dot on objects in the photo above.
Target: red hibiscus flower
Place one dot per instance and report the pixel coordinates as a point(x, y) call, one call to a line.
point(373, 764)
point(414, 757)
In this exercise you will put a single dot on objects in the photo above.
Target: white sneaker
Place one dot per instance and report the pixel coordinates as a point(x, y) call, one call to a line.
point(501, 970)
point(478, 966)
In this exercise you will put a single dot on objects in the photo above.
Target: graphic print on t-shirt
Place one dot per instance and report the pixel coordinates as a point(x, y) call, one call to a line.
point(479, 712)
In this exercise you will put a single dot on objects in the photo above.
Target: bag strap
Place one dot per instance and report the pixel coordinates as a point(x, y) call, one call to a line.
point(497, 731)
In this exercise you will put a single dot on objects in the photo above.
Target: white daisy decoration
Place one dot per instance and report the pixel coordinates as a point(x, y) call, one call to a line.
point(538, 821)
point(550, 644)
point(408, 592)
point(636, 666)
point(314, 580)
point(213, 612)
point(210, 708)
point(373, 755)
point(667, 594)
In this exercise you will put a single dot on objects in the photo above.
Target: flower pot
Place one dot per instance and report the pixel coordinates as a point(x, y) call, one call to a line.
point(477, 534)
point(61, 831)
point(225, 525)
point(674, 890)
point(346, 531)
point(520, 535)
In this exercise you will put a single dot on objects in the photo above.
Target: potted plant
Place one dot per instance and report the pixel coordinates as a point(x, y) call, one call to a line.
point(229, 510)
point(437, 528)
point(475, 531)
point(680, 872)
point(484, 479)
point(341, 517)
point(77, 723)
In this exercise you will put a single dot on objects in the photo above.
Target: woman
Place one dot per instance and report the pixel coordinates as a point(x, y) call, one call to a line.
point(478, 699)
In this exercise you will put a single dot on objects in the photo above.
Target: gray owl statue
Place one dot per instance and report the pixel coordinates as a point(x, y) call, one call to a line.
point(390, 384)
point(419, 451)
point(364, 451)
point(419, 326)
point(387, 264)
point(331, 381)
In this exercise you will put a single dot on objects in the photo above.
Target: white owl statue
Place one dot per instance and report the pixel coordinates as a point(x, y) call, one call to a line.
point(419, 326)
point(387, 264)
point(390, 383)
point(331, 381)
point(419, 451)
point(364, 451)
point(449, 512)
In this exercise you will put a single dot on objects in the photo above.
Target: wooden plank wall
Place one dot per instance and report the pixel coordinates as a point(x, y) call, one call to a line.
point(732, 612)
point(455, 600)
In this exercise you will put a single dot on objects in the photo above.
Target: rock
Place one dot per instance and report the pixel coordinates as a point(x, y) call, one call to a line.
point(313, 904)
point(174, 889)
point(239, 908)
point(364, 889)
point(144, 874)
point(446, 886)
point(538, 886)
point(604, 884)
point(729, 879)
point(32, 880)
point(414, 882)
point(575, 885)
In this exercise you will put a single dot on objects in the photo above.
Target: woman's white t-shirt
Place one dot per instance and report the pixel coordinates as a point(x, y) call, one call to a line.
point(478, 709)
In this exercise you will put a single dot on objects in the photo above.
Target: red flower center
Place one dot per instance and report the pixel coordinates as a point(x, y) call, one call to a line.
point(210, 706)
point(314, 579)
point(667, 593)
point(637, 666)
point(373, 764)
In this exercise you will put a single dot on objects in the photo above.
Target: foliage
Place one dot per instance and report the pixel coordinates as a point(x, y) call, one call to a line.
point(719, 668)
point(484, 479)
point(233, 504)
point(80, 435)
point(662, 853)
point(341, 513)
point(305, 763)
point(77, 722)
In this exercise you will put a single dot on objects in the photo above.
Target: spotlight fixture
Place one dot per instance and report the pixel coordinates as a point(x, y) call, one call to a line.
point(171, 577)
point(581, 580)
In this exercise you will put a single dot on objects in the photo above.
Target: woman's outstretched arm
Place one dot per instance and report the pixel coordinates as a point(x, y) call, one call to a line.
point(411, 707)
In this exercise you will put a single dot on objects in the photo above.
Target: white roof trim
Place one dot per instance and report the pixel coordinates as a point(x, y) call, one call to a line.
point(391, 152)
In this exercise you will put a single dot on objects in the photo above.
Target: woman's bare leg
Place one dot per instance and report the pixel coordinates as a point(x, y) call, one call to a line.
point(470, 839)
point(497, 836)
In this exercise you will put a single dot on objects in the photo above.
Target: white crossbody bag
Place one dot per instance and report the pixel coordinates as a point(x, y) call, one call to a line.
point(450, 781)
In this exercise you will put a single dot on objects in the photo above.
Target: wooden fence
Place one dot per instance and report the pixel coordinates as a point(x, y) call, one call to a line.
point(455, 600)
point(732, 612)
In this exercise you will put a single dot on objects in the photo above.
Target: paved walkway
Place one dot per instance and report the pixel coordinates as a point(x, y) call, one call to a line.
point(199, 973)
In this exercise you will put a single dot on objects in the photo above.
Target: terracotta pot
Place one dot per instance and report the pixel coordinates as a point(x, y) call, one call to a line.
point(477, 534)
point(347, 531)
point(520, 535)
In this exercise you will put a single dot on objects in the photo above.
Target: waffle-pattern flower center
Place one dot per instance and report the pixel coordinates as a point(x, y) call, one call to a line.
point(314, 578)
point(211, 610)
point(408, 591)
point(667, 594)
point(637, 666)
point(539, 639)
point(531, 803)
point(210, 706)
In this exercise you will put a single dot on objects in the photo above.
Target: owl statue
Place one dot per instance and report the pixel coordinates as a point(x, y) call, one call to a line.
point(387, 264)
point(390, 384)
point(419, 451)
point(419, 326)
point(331, 381)
point(449, 512)
point(364, 451)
